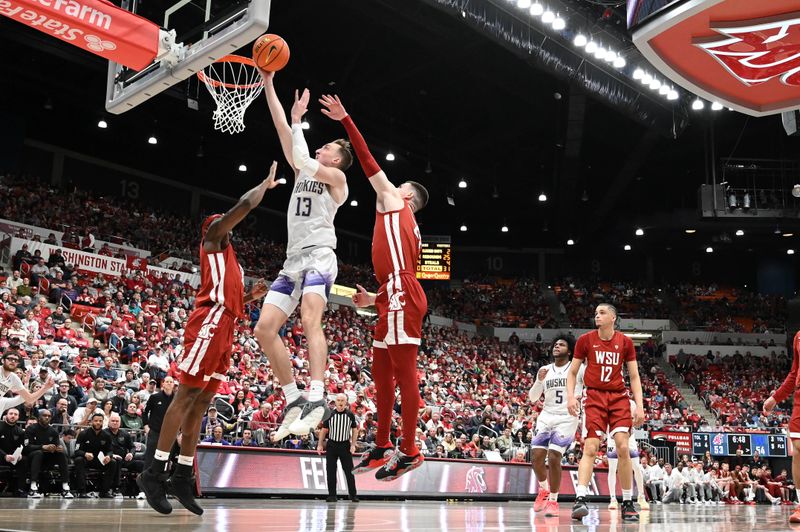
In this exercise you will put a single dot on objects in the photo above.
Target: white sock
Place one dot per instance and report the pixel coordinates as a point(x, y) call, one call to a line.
point(797, 492)
point(185, 460)
point(315, 391)
point(553, 497)
point(291, 392)
point(544, 484)
point(627, 495)
point(34, 486)
point(581, 491)
point(161, 455)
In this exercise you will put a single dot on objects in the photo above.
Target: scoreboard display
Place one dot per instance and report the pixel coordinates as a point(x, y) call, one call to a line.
point(434, 259)
point(722, 444)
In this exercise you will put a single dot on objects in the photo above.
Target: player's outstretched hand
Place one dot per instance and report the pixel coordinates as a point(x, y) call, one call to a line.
point(361, 298)
point(638, 417)
point(260, 289)
point(572, 406)
point(49, 384)
point(270, 182)
point(542, 374)
point(300, 105)
point(266, 75)
point(332, 107)
point(769, 405)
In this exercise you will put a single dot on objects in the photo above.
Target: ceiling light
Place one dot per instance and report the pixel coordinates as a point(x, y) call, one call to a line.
point(664, 90)
point(548, 17)
point(777, 231)
point(504, 229)
point(102, 124)
point(354, 203)
point(709, 249)
point(152, 140)
point(739, 232)
point(698, 104)
point(242, 167)
point(790, 252)
point(655, 84)
point(463, 228)
point(580, 40)
point(619, 62)
point(690, 231)
point(639, 231)
point(523, 4)
point(559, 23)
point(542, 197)
point(638, 74)
point(537, 9)
point(390, 156)
point(646, 79)
point(672, 95)
point(716, 106)
point(570, 242)
point(591, 46)
point(600, 53)
point(305, 125)
point(788, 234)
point(611, 55)
point(627, 247)
point(462, 184)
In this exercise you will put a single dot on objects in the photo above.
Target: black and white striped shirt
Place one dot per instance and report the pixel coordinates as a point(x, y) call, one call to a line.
point(340, 425)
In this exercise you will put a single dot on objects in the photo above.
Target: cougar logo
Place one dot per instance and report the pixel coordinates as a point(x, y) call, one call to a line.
point(206, 331)
point(475, 481)
point(397, 301)
point(754, 53)
point(96, 44)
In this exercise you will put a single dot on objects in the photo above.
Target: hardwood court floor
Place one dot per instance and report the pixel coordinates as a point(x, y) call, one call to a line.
point(248, 515)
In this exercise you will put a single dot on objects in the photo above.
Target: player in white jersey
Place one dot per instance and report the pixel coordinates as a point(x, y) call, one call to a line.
point(555, 427)
point(310, 268)
point(613, 458)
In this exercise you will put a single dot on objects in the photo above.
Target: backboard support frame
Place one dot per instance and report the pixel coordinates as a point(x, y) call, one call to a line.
point(178, 61)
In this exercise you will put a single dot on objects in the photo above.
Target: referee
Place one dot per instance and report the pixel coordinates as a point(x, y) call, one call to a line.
point(341, 430)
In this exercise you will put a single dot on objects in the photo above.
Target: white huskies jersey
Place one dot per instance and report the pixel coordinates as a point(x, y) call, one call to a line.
point(309, 219)
point(554, 388)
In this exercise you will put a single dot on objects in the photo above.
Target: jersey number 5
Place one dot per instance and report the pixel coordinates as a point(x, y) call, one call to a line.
point(303, 207)
point(605, 373)
point(559, 397)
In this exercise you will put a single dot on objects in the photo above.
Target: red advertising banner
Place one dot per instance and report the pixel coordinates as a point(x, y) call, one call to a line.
point(683, 440)
point(97, 26)
point(240, 470)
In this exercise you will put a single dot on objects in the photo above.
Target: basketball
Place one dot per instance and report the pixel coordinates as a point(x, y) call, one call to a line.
point(270, 52)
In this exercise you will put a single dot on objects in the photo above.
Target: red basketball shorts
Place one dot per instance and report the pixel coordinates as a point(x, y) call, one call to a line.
point(794, 422)
point(207, 344)
point(605, 411)
point(401, 305)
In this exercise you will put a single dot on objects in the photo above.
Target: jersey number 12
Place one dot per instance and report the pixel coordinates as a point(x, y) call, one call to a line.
point(605, 373)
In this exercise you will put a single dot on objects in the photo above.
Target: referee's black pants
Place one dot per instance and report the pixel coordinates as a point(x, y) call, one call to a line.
point(340, 451)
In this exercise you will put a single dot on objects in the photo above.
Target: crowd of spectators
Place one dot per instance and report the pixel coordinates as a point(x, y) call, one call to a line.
point(578, 299)
point(735, 388)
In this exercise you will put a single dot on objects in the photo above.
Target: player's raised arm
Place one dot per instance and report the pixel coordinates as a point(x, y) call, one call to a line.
point(333, 108)
point(219, 228)
point(278, 114)
point(301, 158)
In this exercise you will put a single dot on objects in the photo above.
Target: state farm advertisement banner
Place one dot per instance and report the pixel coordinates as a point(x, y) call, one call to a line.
point(683, 440)
point(276, 471)
point(97, 26)
point(100, 263)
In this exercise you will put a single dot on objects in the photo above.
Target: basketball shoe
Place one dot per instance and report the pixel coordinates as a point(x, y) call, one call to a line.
point(580, 509)
point(310, 416)
point(541, 500)
point(290, 415)
point(373, 459)
point(629, 512)
point(551, 509)
point(399, 464)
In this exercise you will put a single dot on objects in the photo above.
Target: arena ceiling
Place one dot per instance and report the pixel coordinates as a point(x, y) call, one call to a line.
point(450, 103)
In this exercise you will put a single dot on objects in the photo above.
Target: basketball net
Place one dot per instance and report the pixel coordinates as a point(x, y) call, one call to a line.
point(234, 82)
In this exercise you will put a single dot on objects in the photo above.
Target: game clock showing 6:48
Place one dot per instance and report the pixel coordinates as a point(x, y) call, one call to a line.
point(722, 444)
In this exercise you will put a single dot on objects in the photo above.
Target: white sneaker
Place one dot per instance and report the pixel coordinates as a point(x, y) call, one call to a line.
point(141, 496)
point(118, 495)
point(310, 417)
point(290, 415)
point(34, 494)
point(613, 505)
point(66, 494)
point(643, 504)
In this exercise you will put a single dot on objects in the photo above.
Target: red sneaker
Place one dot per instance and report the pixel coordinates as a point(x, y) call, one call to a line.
point(551, 509)
point(541, 500)
point(750, 503)
point(795, 517)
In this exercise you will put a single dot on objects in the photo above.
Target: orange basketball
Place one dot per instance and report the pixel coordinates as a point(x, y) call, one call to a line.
point(270, 52)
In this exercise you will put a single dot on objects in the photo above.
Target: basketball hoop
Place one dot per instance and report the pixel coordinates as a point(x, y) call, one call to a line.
point(234, 82)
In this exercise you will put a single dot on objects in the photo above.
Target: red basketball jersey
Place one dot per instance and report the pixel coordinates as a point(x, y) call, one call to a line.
point(221, 281)
point(396, 243)
point(792, 382)
point(604, 360)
